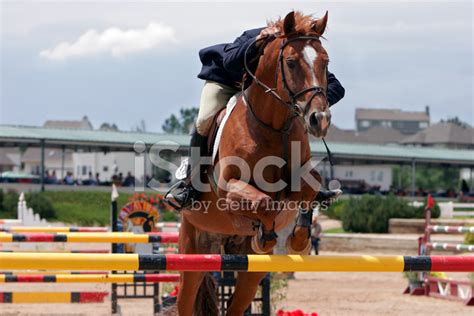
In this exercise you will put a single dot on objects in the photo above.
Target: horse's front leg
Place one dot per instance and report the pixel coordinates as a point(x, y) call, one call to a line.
point(254, 203)
point(189, 281)
point(299, 241)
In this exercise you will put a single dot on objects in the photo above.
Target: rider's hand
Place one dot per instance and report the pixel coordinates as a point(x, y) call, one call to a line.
point(269, 31)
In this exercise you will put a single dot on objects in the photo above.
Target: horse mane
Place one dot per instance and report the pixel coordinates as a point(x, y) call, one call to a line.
point(303, 23)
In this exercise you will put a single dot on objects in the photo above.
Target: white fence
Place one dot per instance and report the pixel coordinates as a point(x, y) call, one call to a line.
point(25, 216)
point(448, 209)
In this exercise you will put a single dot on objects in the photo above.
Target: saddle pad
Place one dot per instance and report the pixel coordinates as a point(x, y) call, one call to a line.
point(229, 108)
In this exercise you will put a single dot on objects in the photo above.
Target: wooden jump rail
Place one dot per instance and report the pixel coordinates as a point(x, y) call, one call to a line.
point(449, 247)
point(251, 263)
point(52, 229)
point(442, 287)
point(450, 229)
point(52, 297)
point(63, 251)
point(88, 278)
point(90, 237)
point(160, 250)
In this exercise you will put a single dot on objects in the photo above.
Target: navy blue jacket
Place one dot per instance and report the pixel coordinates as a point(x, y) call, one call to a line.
point(224, 63)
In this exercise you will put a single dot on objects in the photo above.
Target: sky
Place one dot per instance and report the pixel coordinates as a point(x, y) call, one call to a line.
point(123, 62)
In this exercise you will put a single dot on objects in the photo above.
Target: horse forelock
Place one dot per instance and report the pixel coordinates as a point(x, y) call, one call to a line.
point(303, 23)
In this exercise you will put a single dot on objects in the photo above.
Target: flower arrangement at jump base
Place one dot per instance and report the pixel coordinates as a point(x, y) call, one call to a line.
point(297, 312)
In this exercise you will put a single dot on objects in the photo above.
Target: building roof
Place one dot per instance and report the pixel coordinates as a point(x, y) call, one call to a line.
point(395, 153)
point(374, 135)
point(12, 136)
point(81, 124)
point(390, 115)
point(443, 133)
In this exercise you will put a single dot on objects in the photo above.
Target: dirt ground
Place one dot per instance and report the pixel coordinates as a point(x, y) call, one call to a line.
point(324, 293)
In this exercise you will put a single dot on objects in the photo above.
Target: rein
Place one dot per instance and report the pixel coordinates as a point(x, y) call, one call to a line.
point(294, 108)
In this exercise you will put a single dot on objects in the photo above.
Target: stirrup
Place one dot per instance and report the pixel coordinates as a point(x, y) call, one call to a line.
point(166, 197)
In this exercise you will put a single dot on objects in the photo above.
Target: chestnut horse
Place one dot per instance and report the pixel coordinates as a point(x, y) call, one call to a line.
point(285, 100)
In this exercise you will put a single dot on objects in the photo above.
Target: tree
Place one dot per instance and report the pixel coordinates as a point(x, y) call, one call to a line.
point(140, 127)
point(108, 127)
point(182, 124)
point(427, 177)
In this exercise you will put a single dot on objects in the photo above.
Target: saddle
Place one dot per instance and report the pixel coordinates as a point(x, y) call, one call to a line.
point(218, 125)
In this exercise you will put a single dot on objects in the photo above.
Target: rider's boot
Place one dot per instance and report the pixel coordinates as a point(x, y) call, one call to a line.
point(184, 192)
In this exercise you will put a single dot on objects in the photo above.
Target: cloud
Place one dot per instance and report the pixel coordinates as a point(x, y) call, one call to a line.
point(113, 41)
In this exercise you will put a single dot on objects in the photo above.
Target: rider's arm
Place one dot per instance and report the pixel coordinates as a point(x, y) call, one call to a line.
point(335, 90)
point(234, 53)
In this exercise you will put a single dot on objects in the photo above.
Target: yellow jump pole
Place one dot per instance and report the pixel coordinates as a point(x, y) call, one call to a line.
point(125, 237)
point(252, 263)
point(88, 278)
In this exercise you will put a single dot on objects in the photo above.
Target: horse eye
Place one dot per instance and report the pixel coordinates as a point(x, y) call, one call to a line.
point(291, 63)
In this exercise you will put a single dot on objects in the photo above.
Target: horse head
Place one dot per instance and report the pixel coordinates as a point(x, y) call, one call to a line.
point(300, 65)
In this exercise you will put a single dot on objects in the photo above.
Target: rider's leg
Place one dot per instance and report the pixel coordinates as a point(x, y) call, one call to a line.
point(214, 97)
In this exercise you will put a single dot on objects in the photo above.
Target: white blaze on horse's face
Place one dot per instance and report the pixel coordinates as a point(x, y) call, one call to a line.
point(317, 119)
point(310, 55)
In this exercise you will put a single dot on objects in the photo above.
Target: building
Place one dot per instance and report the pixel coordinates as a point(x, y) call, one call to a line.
point(450, 134)
point(109, 164)
point(83, 124)
point(378, 176)
point(56, 161)
point(375, 135)
point(406, 122)
point(9, 160)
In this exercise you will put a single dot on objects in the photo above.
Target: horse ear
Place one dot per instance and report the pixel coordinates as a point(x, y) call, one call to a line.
point(319, 26)
point(289, 23)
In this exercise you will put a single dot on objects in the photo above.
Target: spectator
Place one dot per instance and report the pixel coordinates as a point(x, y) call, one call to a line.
point(68, 179)
point(53, 179)
point(46, 177)
point(315, 235)
point(129, 180)
point(116, 181)
point(97, 178)
point(90, 179)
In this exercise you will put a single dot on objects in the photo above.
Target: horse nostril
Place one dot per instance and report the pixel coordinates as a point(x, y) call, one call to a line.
point(313, 120)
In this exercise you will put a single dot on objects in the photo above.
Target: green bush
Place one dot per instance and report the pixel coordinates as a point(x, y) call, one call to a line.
point(169, 216)
point(1, 199)
point(9, 205)
point(469, 239)
point(84, 208)
point(41, 205)
point(371, 214)
point(336, 209)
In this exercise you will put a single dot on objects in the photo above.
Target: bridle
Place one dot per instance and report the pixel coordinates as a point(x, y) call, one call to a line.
point(296, 110)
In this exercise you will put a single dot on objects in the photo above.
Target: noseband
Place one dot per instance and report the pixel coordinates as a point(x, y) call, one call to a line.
point(292, 104)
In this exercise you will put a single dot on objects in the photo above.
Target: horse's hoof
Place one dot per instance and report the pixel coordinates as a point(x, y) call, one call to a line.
point(306, 250)
point(255, 244)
